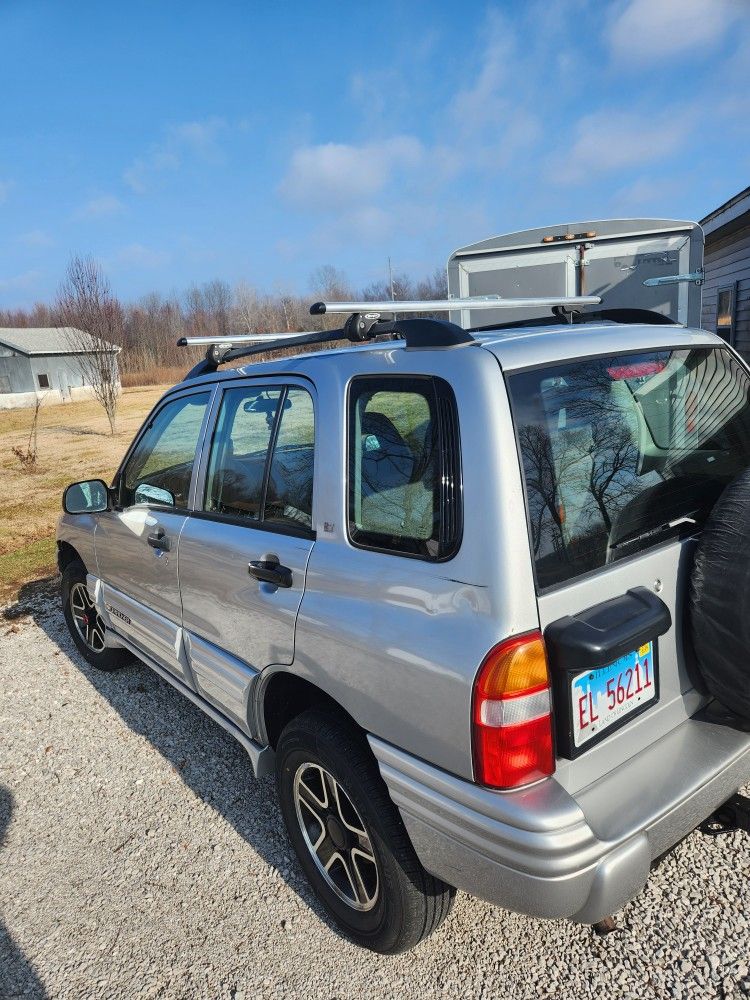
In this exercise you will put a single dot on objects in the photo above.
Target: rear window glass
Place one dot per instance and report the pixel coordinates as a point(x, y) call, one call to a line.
point(620, 453)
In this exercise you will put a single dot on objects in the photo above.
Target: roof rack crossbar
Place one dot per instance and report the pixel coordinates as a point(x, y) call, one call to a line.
point(221, 350)
point(416, 333)
point(448, 305)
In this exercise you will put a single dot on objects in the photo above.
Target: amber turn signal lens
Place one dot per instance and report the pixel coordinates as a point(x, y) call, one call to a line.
point(518, 665)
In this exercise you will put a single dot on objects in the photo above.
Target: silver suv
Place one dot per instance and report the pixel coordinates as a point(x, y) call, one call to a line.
point(439, 583)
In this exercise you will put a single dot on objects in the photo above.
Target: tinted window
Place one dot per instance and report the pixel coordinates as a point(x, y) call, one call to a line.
point(403, 466)
point(162, 461)
point(290, 480)
point(261, 461)
point(237, 463)
point(617, 452)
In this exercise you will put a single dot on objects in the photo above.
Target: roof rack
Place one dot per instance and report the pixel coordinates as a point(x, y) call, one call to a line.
point(624, 315)
point(448, 305)
point(367, 320)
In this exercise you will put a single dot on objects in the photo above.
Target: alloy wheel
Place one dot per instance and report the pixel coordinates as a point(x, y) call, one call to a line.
point(336, 837)
point(88, 621)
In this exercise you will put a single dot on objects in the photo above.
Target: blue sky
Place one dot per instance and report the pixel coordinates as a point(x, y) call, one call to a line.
point(178, 142)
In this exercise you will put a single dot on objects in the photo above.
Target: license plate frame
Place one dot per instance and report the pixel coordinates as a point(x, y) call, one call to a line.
point(591, 685)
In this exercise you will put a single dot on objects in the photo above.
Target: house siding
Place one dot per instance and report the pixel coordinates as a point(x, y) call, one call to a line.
point(63, 371)
point(727, 260)
point(15, 372)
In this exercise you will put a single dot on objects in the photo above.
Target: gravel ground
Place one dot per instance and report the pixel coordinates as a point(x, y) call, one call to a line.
point(139, 858)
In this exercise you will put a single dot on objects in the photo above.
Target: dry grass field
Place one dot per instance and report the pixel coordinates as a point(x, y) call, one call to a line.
point(73, 442)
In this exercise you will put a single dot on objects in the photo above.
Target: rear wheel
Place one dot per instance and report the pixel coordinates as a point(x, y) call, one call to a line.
point(350, 839)
point(84, 622)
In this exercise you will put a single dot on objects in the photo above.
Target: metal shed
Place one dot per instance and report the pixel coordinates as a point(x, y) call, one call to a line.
point(726, 291)
point(38, 362)
point(631, 263)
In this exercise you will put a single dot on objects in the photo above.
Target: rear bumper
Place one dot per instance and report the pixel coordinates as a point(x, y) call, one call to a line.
point(546, 853)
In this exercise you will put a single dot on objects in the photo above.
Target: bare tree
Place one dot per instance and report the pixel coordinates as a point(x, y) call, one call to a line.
point(434, 287)
point(28, 457)
point(331, 285)
point(93, 321)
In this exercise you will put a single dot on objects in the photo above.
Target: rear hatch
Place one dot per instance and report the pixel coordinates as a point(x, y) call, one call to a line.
point(631, 263)
point(623, 457)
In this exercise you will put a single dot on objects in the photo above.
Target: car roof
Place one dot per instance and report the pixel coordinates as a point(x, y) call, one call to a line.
point(519, 347)
point(525, 347)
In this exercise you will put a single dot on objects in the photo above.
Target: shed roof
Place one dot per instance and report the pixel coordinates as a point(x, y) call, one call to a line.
point(45, 340)
point(729, 216)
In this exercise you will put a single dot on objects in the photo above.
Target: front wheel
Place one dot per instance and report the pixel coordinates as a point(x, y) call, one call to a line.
point(84, 622)
point(351, 840)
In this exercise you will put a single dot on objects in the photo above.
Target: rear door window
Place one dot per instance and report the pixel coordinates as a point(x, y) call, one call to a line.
point(260, 466)
point(239, 451)
point(623, 452)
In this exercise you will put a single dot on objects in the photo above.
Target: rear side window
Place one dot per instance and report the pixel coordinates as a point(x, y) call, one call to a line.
point(621, 453)
point(404, 466)
point(290, 478)
point(239, 451)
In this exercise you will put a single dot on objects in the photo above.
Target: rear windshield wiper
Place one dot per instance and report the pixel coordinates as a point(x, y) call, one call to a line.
point(652, 532)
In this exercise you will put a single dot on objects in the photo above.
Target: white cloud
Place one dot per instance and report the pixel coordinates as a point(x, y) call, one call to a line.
point(649, 193)
point(486, 101)
point(19, 282)
point(36, 238)
point(335, 175)
point(608, 141)
point(653, 30)
point(101, 207)
point(492, 118)
point(136, 255)
point(189, 139)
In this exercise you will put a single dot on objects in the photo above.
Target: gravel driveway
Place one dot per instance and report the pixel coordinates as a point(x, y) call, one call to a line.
point(139, 858)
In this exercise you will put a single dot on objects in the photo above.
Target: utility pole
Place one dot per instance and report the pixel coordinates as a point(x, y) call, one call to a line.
point(390, 280)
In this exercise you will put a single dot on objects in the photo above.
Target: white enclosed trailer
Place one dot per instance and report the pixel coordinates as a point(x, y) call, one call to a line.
point(654, 264)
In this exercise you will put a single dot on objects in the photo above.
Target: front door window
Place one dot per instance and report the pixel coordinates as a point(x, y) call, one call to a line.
point(161, 465)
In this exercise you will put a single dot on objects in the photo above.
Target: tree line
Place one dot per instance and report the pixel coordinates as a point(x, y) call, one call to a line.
point(147, 330)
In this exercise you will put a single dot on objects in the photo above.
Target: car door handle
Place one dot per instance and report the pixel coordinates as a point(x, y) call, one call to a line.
point(158, 540)
point(269, 570)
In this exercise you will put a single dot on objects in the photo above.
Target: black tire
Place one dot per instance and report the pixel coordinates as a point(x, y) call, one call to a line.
point(73, 593)
point(408, 903)
point(719, 588)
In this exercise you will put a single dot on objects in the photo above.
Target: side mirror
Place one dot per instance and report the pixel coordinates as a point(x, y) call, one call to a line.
point(88, 497)
point(153, 494)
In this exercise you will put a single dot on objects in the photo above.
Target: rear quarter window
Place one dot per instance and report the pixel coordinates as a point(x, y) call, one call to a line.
point(622, 452)
point(404, 466)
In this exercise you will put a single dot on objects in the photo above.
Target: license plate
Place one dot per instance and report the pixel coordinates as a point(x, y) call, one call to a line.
point(605, 696)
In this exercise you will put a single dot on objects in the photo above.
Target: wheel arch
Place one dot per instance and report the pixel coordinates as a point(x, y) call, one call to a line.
point(283, 695)
point(67, 554)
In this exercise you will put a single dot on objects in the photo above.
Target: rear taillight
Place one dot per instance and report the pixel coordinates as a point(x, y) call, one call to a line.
point(513, 714)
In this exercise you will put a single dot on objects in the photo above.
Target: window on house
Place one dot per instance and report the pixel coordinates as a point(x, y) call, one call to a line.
point(43, 381)
point(725, 313)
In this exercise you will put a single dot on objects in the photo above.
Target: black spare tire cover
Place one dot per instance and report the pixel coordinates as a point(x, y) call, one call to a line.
point(720, 599)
